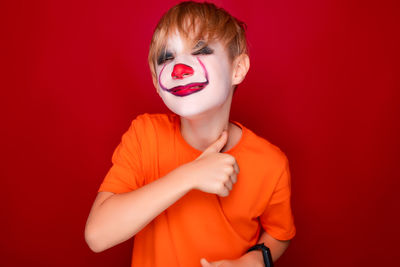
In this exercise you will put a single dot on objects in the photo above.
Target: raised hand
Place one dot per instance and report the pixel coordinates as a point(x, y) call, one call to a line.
point(213, 172)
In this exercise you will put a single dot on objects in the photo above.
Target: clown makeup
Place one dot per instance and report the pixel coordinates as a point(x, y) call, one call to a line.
point(180, 72)
point(193, 80)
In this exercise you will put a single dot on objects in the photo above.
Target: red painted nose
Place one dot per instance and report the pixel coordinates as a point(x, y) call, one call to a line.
point(181, 71)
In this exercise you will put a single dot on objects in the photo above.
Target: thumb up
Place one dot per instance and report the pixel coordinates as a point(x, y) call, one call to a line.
point(214, 172)
point(217, 146)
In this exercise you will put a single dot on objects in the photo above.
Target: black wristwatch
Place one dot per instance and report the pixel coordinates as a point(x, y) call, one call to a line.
point(266, 254)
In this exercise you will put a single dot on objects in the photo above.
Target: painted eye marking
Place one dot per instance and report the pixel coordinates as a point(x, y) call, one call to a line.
point(165, 56)
point(203, 51)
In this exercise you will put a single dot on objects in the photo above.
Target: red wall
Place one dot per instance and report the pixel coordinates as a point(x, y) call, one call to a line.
point(323, 86)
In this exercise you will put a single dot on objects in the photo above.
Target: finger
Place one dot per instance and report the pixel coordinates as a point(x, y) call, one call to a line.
point(228, 184)
point(233, 178)
point(228, 170)
point(217, 263)
point(236, 167)
point(218, 144)
point(224, 192)
point(204, 263)
point(232, 161)
point(229, 159)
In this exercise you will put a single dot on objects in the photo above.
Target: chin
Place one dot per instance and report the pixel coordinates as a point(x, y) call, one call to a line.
point(189, 113)
point(196, 105)
point(195, 112)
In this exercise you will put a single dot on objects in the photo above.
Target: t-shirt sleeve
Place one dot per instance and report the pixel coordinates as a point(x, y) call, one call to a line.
point(125, 175)
point(277, 219)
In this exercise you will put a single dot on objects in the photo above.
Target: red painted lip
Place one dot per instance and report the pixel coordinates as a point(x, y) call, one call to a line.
point(184, 90)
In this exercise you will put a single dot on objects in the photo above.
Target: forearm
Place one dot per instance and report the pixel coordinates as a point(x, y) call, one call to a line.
point(121, 216)
point(114, 219)
point(277, 248)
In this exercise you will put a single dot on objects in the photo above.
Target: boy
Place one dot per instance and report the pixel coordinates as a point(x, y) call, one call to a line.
point(194, 188)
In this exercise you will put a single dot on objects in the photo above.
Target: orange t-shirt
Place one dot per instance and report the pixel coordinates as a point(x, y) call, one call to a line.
point(202, 224)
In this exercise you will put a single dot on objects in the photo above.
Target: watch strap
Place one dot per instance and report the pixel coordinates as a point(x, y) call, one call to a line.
point(265, 252)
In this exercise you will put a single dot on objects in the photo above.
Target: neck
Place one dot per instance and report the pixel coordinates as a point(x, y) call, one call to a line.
point(204, 129)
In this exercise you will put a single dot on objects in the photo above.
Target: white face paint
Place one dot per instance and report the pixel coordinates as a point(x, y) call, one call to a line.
point(192, 81)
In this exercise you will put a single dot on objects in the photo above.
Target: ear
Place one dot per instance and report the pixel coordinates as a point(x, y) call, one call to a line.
point(241, 66)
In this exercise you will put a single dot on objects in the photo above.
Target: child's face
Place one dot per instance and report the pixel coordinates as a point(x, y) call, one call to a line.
point(193, 80)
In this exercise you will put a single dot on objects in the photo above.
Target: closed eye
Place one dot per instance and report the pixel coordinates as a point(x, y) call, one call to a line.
point(163, 57)
point(203, 51)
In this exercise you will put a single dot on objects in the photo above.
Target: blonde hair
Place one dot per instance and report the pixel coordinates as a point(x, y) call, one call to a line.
point(199, 21)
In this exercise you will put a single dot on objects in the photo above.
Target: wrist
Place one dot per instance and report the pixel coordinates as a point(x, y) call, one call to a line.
point(183, 174)
point(253, 258)
point(266, 254)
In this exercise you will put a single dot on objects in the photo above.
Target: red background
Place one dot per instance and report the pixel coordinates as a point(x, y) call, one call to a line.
point(323, 86)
